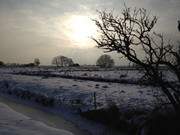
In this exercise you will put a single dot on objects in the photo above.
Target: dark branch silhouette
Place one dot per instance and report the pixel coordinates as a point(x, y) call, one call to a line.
point(131, 34)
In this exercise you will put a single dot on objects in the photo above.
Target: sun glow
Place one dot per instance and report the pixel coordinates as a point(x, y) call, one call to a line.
point(80, 30)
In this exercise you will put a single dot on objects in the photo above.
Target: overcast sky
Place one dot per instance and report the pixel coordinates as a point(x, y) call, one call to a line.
point(43, 28)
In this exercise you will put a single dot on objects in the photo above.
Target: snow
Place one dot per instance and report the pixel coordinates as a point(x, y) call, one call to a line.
point(79, 93)
point(130, 75)
point(14, 123)
point(74, 95)
point(68, 91)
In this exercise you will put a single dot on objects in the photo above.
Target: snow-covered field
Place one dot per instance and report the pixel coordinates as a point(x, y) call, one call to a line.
point(79, 95)
point(129, 75)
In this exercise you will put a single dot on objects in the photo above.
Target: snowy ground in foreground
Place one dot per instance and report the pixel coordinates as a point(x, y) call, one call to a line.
point(14, 123)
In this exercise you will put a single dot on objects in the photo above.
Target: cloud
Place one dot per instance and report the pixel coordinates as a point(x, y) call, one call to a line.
point(35, 28)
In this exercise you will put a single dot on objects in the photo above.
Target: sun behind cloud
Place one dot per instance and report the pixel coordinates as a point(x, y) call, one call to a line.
point(80, 29)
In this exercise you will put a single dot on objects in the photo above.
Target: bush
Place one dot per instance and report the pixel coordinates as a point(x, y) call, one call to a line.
point(109, 116)
point(2, 64)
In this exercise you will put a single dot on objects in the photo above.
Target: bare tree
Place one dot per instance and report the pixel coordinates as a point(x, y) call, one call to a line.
point(105, 61)
point(131, 34)
point(68, 62)
point(36, 62)
point(62, 61)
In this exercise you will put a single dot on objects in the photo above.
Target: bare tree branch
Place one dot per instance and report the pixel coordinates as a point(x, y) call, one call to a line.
point(132, 29)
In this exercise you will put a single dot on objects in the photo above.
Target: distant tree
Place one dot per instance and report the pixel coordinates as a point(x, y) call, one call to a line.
point(69, 62)
point(62, 61)
point(131, 35)
point(105, 61)
point(2, 63)
point(36, 62)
